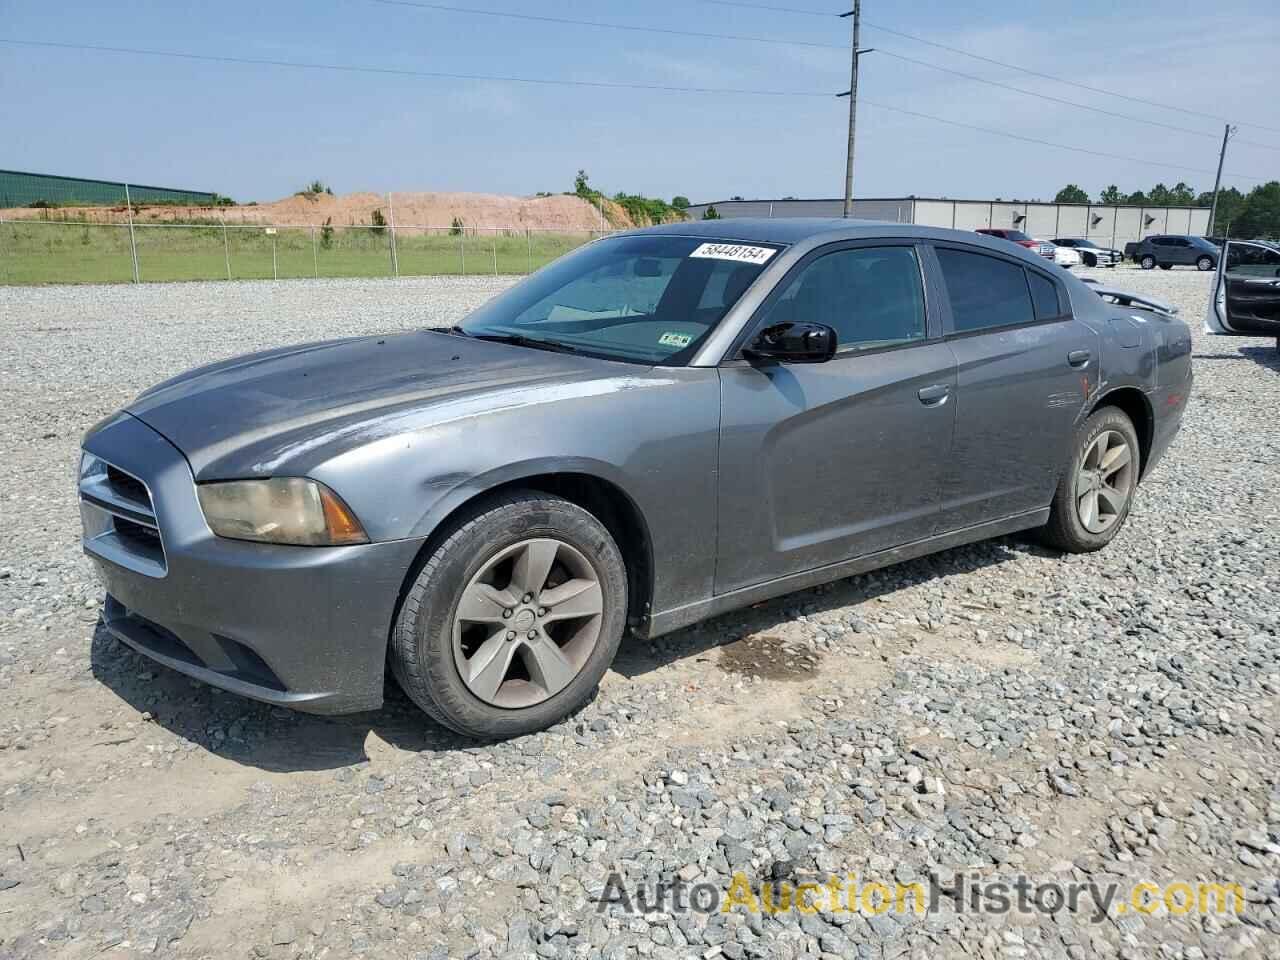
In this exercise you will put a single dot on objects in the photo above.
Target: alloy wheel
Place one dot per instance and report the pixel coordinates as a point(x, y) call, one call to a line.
point(527, 622)
point(1104, 482)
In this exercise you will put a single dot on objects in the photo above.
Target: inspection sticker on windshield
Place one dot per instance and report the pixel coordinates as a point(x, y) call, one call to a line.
point(734, 251)
point(675, 340)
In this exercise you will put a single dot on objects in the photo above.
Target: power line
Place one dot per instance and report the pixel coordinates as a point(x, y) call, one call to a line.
point(1047, 143)
point(425, 74)
point(1053, 99)
point(605, 25)
point(604, 84)
point(1047, 76)
point(1010, 66)
point(600, 24)
point(769, 6)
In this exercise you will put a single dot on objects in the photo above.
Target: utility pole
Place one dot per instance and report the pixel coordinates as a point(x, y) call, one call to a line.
point(852, 94)
point(1227, 134)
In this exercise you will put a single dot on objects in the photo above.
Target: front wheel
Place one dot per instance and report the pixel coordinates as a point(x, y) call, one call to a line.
point(1148, 262)
point(1204, 264)
point(1093, 497)
point(1166, 266)
point(513, 619)
point(1090, 260)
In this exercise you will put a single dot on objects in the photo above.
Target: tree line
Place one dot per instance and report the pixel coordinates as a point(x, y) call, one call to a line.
point(1244, 215)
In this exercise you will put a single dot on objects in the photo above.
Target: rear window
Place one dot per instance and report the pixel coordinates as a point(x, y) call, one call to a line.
point(984, 291)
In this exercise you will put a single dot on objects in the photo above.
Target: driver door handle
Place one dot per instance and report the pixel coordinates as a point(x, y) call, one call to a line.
point(1078, 358)
point(935, 394)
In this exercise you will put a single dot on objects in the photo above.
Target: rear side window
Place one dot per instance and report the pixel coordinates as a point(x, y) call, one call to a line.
point(984, 291)
point(1044, 294)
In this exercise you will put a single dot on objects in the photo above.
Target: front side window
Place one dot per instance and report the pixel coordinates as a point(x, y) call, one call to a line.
point(984, 291)
point(643, 299)
point(871, 296)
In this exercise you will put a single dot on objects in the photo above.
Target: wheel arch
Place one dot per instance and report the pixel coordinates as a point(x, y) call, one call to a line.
point(1134, 404)
point(581, 483)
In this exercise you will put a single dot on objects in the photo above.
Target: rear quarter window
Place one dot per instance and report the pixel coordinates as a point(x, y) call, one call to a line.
point(1045, 296)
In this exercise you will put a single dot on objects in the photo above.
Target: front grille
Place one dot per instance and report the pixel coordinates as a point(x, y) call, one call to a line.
point(119, 517)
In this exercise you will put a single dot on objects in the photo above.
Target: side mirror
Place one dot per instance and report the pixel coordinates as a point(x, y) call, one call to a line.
point(793, 343)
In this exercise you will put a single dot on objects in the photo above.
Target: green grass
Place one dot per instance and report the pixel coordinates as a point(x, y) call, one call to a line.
point(33, 253)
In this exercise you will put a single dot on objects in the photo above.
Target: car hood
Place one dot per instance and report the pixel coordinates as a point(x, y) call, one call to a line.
point(282, 411)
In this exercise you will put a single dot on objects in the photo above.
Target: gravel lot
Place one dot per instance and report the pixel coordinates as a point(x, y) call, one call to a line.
point(994, 710)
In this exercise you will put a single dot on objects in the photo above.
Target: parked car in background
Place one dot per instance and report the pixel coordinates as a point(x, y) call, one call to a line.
point(1167, 251)
point(1091, 255)
point(1064, 257)
point(1246, 293)
point(1040, 247)
point(659, 427)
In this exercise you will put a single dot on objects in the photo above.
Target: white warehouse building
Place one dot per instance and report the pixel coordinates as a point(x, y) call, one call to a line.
point(1111, 226)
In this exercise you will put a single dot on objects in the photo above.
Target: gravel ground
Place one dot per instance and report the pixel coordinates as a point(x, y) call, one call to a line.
point(991, 711)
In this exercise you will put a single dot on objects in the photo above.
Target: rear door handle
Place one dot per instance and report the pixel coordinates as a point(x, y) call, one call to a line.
point(1078, 358)
point(935, 394)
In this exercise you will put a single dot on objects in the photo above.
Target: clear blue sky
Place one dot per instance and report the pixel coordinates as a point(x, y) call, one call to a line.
point(258, 132)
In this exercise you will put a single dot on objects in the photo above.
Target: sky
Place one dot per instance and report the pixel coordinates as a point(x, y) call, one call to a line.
point(257, 132)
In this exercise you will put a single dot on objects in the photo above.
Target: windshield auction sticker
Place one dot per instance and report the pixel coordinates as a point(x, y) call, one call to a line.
point(734, 251)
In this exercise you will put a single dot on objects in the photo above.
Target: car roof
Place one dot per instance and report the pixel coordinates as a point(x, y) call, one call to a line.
point(792, 230)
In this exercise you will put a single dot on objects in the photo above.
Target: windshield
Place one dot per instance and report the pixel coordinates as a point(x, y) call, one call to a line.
point(1084, 243)
point(644, 299)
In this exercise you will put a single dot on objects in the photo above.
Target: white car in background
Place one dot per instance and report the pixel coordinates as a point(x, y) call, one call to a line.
point(1064, 257)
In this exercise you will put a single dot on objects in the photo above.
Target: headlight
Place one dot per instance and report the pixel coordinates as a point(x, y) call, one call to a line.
point(289, 510)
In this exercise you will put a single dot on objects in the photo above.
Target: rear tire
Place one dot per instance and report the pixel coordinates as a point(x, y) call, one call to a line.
point(1205, 264)
point(1093, 497)
point(542, 670)
point(1166, 266)
point(1148, 262)
point(1090, 260)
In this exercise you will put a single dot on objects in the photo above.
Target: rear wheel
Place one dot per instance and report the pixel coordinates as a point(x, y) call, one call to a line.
point(1093, 497)
point(1090, 260)
point(1148, 262)
point(1166, 266)
point(1204, 264)
point(513, 619)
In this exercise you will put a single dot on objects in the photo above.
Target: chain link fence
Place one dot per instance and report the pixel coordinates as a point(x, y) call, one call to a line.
point(52, 251)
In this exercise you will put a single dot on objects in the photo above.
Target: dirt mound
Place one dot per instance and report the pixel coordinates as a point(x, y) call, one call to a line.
point(475, 210)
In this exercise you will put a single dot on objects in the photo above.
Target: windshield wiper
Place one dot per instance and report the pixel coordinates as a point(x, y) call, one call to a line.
point(520, 340)
point(455, 329)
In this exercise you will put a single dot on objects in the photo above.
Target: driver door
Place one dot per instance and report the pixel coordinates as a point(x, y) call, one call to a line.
point(1248, 292)
point(823, 462)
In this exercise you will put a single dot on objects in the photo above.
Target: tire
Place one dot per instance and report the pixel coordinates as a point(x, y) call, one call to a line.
point(481, 557)
point(1205, 264)
point(1147, 262)
point(1090, 260)
point(1069, 527)
point(1166, 266)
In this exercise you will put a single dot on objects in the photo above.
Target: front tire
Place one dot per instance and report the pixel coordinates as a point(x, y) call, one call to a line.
point(1148, 262)
point(513, 619)
point(1166, 266)
point(1090, 260)
point(1204, 264)
point(1093, 497)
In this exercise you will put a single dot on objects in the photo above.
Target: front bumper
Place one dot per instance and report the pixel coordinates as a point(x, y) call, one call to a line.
point(302, 627)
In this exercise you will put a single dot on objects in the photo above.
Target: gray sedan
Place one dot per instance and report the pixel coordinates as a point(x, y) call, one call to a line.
point(659, 427)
